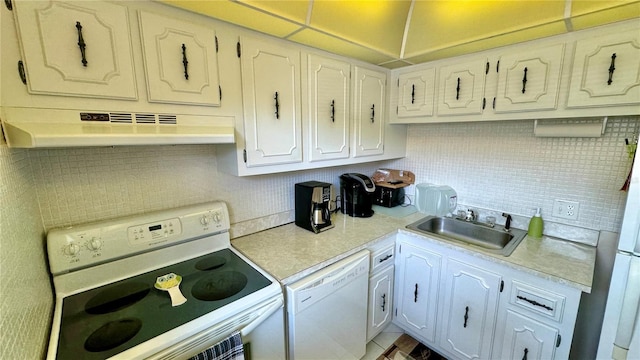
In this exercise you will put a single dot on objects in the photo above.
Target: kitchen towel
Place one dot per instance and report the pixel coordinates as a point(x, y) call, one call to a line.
point(230, 348)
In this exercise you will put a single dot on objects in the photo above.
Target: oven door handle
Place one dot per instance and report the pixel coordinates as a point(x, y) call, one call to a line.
point(268, 310)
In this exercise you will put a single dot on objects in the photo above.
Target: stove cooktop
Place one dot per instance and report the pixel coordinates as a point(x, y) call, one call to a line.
point(110, 319)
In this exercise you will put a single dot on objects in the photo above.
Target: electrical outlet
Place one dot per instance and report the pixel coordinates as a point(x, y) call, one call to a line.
point(566, 209)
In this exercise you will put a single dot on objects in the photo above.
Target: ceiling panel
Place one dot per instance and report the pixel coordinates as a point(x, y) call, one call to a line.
point(374, 30)
point(236, 13)
point(375, 24)
point(338, 46)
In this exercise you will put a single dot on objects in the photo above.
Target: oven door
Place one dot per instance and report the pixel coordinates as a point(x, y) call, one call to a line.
point(261, 328)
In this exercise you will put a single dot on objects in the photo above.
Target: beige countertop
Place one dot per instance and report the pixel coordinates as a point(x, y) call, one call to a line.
point(289, 252)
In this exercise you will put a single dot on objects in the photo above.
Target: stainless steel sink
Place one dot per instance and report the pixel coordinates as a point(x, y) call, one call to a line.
point(491, 239)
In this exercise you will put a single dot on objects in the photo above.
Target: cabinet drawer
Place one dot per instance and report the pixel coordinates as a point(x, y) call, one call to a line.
point(382, 258)
point(538, 301)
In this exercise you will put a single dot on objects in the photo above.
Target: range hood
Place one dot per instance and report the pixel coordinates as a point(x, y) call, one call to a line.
point(54, 128)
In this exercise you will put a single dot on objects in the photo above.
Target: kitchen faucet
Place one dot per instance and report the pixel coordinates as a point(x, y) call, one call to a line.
point(507, 224)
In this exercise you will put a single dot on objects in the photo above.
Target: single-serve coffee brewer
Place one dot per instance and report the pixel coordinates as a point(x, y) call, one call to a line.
point(312, 205)
point(357, 194)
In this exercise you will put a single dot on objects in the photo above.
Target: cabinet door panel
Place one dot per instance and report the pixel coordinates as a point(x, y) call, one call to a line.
point(270, 89)
point(329, 108)
point(590, 85)
point(370, 88)
point(415, 93)
point(470, 306)
point(527, 338)
point(461, 88)
point(417, 289)
point(380, 302)
point(169, 43)
point(50, 37)
point(530, 80)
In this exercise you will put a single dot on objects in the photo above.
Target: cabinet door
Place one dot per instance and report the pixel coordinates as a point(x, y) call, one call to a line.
point(328, 108)
point(418, 275)
point(526, 338)
point(461, 88)
point(271, 101)
point(606, 71)
point(529, 80)
point(180, 60)
point(369, 99)
point(415, 93)
point(469, 311)
point(380, 302)
point(80, 48)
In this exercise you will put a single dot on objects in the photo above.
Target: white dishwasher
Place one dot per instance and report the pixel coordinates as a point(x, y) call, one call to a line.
point(327, 311)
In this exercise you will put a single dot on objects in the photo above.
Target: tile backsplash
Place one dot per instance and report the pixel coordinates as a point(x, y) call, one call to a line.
point(502, 166)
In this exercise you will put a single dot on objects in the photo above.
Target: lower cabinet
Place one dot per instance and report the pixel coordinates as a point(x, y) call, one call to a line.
point(467, 307)
point(381, 284)
point(469, 310)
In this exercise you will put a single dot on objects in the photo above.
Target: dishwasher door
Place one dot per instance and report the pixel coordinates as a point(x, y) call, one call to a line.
point(327, 311)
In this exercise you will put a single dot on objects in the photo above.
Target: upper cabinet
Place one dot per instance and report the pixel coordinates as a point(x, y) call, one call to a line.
point(606, 71)
point(180, 60)
point(328, 110)
point(416, 92)
point(461, 88)
point(271, 98)
point(76, 49)
point(369, 111)
point(588, 73)
point(529, 80)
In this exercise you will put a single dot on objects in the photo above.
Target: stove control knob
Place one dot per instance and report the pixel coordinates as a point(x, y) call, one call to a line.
point(217, 217)
point(94, 244)
point(204, 220)
point(72, 249)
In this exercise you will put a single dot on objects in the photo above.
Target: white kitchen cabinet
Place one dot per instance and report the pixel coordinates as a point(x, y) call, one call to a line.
point(469, 310)
point(76, 48)
point(180, 60)
point(416, 91)
point(381, 285)
point(369, 111)
point(271, 101)
point(606, 71)
point(525, 338)
point(329, 115)
point(461, 87)
point(380, 302)
point(417, 289)
point(529, 80)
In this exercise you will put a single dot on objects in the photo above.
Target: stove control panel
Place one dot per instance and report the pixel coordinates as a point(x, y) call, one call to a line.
point(155, 231)
point(92, 244)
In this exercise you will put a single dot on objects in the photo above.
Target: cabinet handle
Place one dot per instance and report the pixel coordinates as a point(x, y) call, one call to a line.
point(413, 93)
point(384, 301)
point(21, 72)
point(184, 61)
point(612, 68)
point(524, 81)
point(81, 43)
point(466, 315)
point(277, 106)
point(373, 112)
point(525, 354)
point(458, 90)
point(535, 303)
point(415, 294)
point(385, 258)
point(8, 4)
point(333, 111)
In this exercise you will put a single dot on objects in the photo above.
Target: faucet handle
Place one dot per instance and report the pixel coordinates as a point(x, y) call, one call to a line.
point(471, 215)
point(507, 223)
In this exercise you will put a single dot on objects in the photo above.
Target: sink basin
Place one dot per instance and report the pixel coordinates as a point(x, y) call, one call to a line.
point(491, 239)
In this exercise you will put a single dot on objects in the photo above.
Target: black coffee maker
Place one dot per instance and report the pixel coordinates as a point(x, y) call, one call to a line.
point(312, 206)
point(357, 194)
